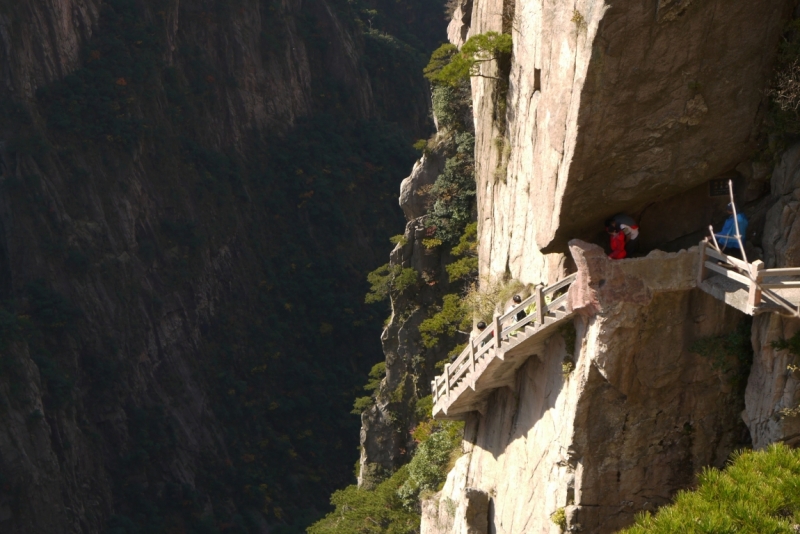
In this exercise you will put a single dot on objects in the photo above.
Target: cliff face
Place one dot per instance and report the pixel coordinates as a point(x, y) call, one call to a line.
point(604, 112)
point(640, 413)
point(191, 195)
point(773, 386)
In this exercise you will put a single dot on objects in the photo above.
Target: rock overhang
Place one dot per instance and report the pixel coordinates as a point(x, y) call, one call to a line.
point(653, 122)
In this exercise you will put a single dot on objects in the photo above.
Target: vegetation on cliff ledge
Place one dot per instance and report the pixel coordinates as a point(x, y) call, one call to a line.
point(759, 493)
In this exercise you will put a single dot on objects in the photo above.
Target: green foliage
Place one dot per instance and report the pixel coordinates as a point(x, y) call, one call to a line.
point(567, 366)
point(407, 278)
point(423, 408)
point(570, 336)
point(731, 354)
point(431, 242)
point(579, 20)
point(454, 191)
point(440, 58)
point(43, 321)
point(378, 511)
point(431, 462)
point(452, 106)
point(10, 331)
point(361, 404)
point(399, 240)
point(389, 279)
point(758, 492)
point(559, 518)
point(452, 316)
point(792, 344)
point(465, 268)
point(452, 67)
point(376, 375)
point(483, 301)
point(468, 242)
point(398, 37)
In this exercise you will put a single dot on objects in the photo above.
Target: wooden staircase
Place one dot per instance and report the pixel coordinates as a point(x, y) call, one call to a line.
point(490, 361)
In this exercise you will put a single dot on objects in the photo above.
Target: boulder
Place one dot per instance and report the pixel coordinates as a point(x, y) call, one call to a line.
point(413, 197)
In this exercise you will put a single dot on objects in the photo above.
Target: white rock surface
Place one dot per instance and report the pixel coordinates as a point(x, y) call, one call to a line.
point(636, 103)
point(629, 427)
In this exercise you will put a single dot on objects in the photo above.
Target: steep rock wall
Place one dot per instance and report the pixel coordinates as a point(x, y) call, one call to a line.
point(621, 433)
point(385, 440)
point(773, 387)
point(606, 113)
point(157, 252)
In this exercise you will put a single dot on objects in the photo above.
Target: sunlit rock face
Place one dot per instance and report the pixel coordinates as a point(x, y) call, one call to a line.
point(610, 107)
point(632, 107)
point(638, 416)
point(773, 391)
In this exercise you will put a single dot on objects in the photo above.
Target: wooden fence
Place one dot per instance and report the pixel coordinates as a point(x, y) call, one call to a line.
point(754, 277)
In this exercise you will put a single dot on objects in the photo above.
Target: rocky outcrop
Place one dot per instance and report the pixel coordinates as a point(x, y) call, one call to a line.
point(413, 197)
point(385, 441)
point(773, 392)
point(622, 432)
point(773, 389)
point(42, 41)
point(606, 114)
point(458, 29)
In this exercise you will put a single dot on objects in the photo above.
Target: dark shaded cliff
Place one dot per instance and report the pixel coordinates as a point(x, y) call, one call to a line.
point(191, 195)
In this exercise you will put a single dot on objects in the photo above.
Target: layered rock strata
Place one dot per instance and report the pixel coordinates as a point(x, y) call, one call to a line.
point(622, 432)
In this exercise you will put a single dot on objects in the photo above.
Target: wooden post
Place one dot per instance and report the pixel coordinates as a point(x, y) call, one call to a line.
point(754, 298)
point(498, 330)
point(433, 390)
point(471, 355)
point(701, 270)
point(447, 379)
point(472, 363)
point(539, 298)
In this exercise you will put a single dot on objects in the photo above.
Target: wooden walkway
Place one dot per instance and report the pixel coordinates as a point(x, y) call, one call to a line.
point(490, 360)
point(748, 287)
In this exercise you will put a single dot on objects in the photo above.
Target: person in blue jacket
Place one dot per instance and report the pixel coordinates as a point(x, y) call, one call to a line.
point(727, 237)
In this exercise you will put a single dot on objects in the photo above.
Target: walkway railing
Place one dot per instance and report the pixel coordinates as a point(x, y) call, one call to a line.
point(764, 286)
point(545, 300)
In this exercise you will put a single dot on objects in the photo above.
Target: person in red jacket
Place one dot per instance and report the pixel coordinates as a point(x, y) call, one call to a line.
point(617, 241)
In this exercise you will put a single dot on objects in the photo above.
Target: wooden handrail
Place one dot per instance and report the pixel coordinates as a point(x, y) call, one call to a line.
point(753, 276)
point(790, 271)
point(560, 284)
